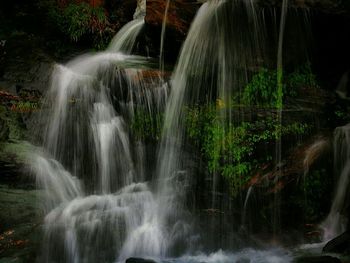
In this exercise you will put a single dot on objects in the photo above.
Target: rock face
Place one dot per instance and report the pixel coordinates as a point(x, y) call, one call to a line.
point(179, 18)
point(340, 244)
point(180, 14)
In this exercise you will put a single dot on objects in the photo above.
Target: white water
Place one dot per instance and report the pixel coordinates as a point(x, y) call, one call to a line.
point(124, 41)
point(248, 255)
point(98, 207)
point(102, 210)
point(335, 223)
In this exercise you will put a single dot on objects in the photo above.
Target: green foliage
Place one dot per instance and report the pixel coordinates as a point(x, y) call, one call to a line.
point(302, 77)
point(79, 20)
point(263, 90)
point(234, 151)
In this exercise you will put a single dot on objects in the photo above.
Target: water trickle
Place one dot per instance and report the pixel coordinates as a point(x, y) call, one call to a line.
point(335, 223)
point(279, 107)
point(162, 37)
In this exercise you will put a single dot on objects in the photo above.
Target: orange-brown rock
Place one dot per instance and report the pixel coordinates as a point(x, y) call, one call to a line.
point(180, 14)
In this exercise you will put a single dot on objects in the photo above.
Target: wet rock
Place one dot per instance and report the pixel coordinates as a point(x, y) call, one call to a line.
point(139, 260)
point(317, 259)
point(340, 244)
point(179, 18)
point(180, 14)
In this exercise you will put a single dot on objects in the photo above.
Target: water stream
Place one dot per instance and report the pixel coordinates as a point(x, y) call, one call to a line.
point(103, 203)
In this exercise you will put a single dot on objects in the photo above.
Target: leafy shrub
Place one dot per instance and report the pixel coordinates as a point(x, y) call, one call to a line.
point(262, 89)
point(302, 77)
point(79, 20)
point(233, 151)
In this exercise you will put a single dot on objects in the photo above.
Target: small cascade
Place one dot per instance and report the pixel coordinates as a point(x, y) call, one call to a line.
point(98, 206)
point(313, 152)
point(343, 86)
point(125, 39)
point(335, 223)
point(244, 212)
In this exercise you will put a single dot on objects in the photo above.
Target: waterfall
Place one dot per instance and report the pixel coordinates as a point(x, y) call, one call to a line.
point(214, 63)
point(124, 40)
point(100, 203)
point(98, 206)
point(335, 223)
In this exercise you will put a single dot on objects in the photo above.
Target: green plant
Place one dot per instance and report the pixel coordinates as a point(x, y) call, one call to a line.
point(234, 150)
point(79, 20)
point(263, 89)
point(302, 77)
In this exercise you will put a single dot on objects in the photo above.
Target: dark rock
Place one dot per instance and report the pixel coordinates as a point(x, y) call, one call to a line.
point(340, 244)
point(317, 259)
point(327, 6)
point(139, 260)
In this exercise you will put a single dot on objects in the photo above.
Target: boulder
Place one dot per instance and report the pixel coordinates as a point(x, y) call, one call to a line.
point(317, 259)
point(340, 244)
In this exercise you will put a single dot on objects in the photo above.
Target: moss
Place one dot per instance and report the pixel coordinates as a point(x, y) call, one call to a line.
point(15, 151)
point(13, 124)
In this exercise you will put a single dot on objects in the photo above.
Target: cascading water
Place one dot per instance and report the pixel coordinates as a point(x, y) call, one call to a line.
point(125, 39)
point(99, 207)
point(105, 208)
point(97, 204)
point(335, 223)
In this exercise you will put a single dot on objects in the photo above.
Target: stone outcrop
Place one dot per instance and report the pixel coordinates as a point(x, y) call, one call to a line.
point(340, 244)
